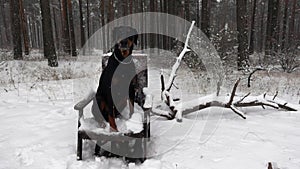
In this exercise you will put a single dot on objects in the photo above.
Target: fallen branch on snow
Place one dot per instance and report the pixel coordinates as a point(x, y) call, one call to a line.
point(188, 107)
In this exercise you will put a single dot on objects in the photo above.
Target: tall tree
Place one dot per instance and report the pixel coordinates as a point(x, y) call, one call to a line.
point(157, 36)
point(56, 11)
point(110, 17)
point(82, 32)
point(88, 18)
point(125, 7)
point(205, 17)
point(72, 33)
point(102, 11)
point(5, 38)
point(276, 20)
point(252, 28)
point(130, 6)
point(152, 39)
point(49, 48)
point(272, 29)
point(261, 36)
point(285, 25)
point(243, 57)
point(292, 32)
point(16, 28)
point(197, 13)
point(142, 26)
point(65, 27)
point(24, 28)
point(187, 10)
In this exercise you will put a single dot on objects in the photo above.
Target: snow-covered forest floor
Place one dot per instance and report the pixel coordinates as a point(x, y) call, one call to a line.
point(38, 124)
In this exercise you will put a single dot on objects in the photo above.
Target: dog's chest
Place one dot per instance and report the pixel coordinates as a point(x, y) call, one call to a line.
point(123, 74)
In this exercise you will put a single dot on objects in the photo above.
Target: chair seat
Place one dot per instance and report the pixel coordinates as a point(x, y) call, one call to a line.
point(128, 129)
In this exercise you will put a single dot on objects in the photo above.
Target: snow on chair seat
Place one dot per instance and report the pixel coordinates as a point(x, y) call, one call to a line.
point(133, 127)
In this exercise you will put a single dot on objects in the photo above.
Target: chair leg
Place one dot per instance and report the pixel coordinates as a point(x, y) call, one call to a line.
point(145, 140)
point(79, 147)
point(97, 149)
point(148, 128)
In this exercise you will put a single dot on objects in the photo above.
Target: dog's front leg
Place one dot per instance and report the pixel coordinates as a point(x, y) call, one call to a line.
point(131, 106)
point(112, 122)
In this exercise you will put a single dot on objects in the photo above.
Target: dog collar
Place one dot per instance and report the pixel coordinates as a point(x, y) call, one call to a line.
point(122, 62)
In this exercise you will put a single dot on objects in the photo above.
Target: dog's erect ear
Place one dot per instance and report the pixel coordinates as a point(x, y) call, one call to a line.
point(135, 38)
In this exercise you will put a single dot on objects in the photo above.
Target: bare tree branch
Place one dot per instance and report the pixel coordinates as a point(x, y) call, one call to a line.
point(237, 111)
point(233, 92)
point(243, 97)
point(179, 58)
point(275, 95)
point(249, 77)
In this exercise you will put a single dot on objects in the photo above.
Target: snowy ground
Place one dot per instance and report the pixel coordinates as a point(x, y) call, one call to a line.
point(38, 125)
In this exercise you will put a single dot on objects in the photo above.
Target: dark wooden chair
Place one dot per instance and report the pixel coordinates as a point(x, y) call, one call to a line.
point(90, 134)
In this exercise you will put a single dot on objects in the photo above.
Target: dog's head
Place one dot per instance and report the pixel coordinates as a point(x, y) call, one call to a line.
point(125, 46)
point(125, 38)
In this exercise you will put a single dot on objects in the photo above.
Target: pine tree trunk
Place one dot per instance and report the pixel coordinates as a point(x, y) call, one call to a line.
point(272, 29)
point(88, 18)
point(65, 27)
point(276, 20)
point(285, 25)
point(55, 29)
point(72, 33)
point(125, 9)
point(33, 33)
point(102, 7)
point(35, 30)
point(157, 36)
point(16, 29)
point(108, 28)
point(24, 28)
point(197, 14)
point(110, 18)
point(268, 46)
point(242, 58)
point(224, 27)
point(49, 49)
point(165, 38)
point(142, 26)
point(251, 45)
point(205, 17)
point(82, 32)
point(187, 10)
point(6, 39)
point(147, 36)
point(130, 5)
point(152, 26)
point(171, 10)
point(261, 38)
point(160, 28)
point(292, 25)
point(38, 40)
